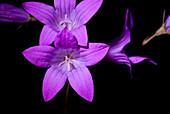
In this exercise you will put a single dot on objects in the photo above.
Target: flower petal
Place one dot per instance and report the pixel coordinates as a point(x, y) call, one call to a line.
point(44, 13)
point(94, 53)
point(10, 13)
point(81, 81)
point(120, 42)
point(54, 80)
point(86, 9)
point(138, 59)
point(81, 35)
point(167, 22)
point(118, 57)
point(129, 19)
point(64, 7)
point(65, 40)
point(39, 55)
point(47, 36)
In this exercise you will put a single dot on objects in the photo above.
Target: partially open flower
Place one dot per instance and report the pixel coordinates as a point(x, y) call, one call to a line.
point(164, 29)
point(117, 53)
point(10, 13)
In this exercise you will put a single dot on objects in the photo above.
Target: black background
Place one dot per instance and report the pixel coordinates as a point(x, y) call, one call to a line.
point(114, 90)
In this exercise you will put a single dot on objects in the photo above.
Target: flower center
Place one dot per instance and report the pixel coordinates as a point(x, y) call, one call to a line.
point(68, 61)
point(67, 23)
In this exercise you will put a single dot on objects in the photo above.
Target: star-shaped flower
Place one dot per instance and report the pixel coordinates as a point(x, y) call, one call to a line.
point(67, 60)
point(65, 14)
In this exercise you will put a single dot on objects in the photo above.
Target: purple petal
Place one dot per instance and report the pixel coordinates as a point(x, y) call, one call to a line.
point(39, 55)
point(138, 59)
point(81, 35)
point(65, 40)
point(81, 81)
point(54, 80)
point(47, 36)
point(10, 13)
point(64, 7)
point(118, 57)
point(117, 44)
point(86, 9)
point(167, 22)
point(129, 19)
point(94, 53)
point(44, 13)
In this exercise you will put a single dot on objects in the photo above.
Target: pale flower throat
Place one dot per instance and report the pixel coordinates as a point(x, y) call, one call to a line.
point(68, 61)
point(67, 23)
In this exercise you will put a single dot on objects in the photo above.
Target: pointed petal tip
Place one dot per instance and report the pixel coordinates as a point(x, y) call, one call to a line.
point(46, 98)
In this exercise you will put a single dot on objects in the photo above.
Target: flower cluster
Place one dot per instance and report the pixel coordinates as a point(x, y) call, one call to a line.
point(64, 25)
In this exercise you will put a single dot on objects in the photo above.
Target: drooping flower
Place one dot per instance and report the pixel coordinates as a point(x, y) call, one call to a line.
point(164, 29)
point(67, 61)
point(10, 13)
point(117, 52)
point(65, 14)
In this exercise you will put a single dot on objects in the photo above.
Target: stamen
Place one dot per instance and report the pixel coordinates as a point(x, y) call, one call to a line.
point(68, 66)
point(71, 55)
point(68, 60)
point(61, 63)
point(72, 26)
point(72, 60)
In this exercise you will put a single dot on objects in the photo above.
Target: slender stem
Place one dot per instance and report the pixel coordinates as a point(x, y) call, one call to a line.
point(66, 99)
point(148, 39)
point(163, 16)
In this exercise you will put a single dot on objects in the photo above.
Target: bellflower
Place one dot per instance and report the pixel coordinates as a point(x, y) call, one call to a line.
point(10, 13)
point(65, 14)
point(164, 29)
point(67, 61)
point(117, 52)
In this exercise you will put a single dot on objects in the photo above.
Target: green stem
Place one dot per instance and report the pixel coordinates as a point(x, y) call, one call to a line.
point(66, 99)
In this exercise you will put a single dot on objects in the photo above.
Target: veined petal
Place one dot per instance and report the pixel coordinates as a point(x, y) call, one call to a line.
point(81, 81)
point(47, 36)
point(65, 40)
point(81, 35)
point(167, 22)
point(39, 55)
point(128, 20)
point(64, 7)
point(94, 53)
point(44, 13)
point(117, 44)
point(10, 13)
point(118, 57)
point(54, 80)
point(86, 9)
point(138, 59)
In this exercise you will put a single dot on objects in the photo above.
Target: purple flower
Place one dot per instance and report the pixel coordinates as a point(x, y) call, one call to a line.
point(67, 61)
point(164, 29)
point(65, 14)
point(117, 53)
point(10, 13)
